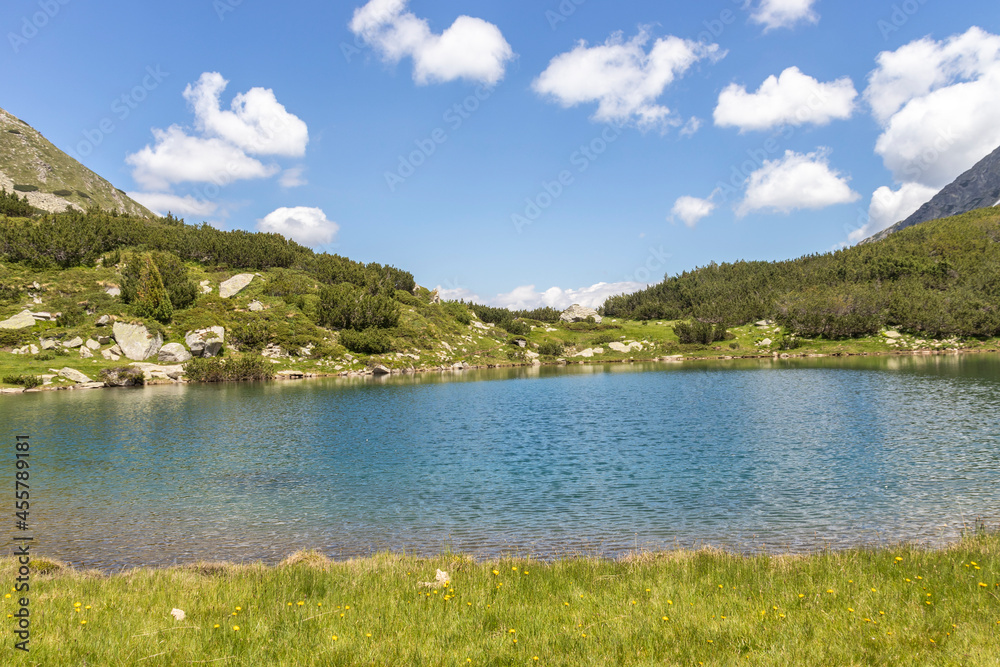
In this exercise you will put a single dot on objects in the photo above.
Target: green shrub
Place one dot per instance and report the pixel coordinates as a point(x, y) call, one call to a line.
point(44, 355)
point(249, 333)
point(10, 293)
point(142, 287)
point(703, 333)
point(550, 348)
point(26, 188)
point(174, 274)
point(345, 306)
point(63, 193)
point(215, 369)
point(119, 375)
point(458, 311)
point(604, 338)
point(11, 337)
point(71, 315)
point(734, 346)
point(26, 381)
point(369, 341)
point(515, 327)
point(13, 205)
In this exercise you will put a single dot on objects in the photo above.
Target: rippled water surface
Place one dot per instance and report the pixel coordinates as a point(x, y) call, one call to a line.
point(786, 456)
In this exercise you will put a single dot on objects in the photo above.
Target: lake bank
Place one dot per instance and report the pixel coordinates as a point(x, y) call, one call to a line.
point(859, 606)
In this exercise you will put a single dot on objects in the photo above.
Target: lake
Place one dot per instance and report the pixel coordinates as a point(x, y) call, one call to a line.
point(780, 455)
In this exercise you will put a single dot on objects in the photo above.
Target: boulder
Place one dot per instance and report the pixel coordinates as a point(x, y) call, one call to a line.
point(110, 356)
point(255, 306)
point(206, 342)
point(104, 340)
point(33, 348)
point(173, 353)
point(206, 286)
point(103, 321)
point(93, 344)
point(766, 342)
point(588, 353)
point(577, 313)
point(235, 285)
point(381, 370)
point(44, 316)
point(88, 385)
point(85, 352)
point(73, 343)
point(136, 342)
point(113, 291)
point(892, 334)
point(158, 372)
point(48, 343)
point(74, 375)
point(22, 320)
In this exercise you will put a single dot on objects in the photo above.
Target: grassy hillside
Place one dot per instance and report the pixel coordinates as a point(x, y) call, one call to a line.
point(50, 178)
point(937, 279)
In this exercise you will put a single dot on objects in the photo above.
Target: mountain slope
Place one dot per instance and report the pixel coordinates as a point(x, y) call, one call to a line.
point(977, 188)
point(50, 178)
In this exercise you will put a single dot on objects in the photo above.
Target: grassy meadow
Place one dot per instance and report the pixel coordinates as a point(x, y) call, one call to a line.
point(859, 607)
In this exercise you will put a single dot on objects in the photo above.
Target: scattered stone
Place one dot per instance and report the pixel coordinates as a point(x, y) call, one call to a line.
point(113, 291)
point(178, 614)
point(88, 385)
point(85, 352)
point(521, 343)
point(109, 355)
point(625, 348)
point(290, 374)
point(104, 340)
point(74, 375)
point(48, 343)
point(273, 351)
point(103, 321)
point(73, 343)
point(173, 353)
point(892, 334)
point(45, 317)
point(206, 286)
point(381, 370)
point(136, 342)
point(235, 285)
point(255, 306)
point(33, 348)
point(588, 353)
point(157, 372)
point(93, 344)
point(22, 320)
point(577, 313)
point(765, 343)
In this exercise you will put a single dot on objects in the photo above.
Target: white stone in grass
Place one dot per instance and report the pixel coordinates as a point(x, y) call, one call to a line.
point(235, 285)
point(178, 614)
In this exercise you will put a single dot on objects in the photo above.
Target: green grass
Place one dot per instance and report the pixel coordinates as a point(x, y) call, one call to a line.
point(859, 607)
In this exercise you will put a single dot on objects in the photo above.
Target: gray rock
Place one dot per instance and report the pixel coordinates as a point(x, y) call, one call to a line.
point(205, 342)
point(74, 375)
point(103, 321)
point(235, 285)
point(577, 313)
point(93, 344)
point(104, 340)
point(113, 291)
point(255, 306)
point(36, 285)
point(892, 334)
point(766, 342)
point(158, 372)
point(33, 348)
point(109, 355)
point(381, 370)
point(48, 344)
point(22, 320)
point(85, 352)
point(206, 286)
point(136, 342)
point(88, 385)
point(173, 353)
point(73, 343)
point(44, 316)
point(273, 351)
point(116, 349)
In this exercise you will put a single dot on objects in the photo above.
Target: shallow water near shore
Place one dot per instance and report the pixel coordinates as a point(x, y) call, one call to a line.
point(779, 455)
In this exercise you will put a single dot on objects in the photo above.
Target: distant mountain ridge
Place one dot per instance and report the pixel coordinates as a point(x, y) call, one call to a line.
point(51, 179)
point(977, 188)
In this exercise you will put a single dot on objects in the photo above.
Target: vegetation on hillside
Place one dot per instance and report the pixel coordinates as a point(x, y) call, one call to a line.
point(937, 279)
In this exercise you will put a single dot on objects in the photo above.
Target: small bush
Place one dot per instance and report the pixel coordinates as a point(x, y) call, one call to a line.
point(11, 337)
point(369, 341)
point(13, 132)
point(250, 334)
point(26, 188)
point(515, 327)
point(457, 311)
point(9, 293)
point(44, 355)
point(790, 343)
point(734, 346)
point(550, 348)
point(63, 193)
point(215, 369)
point(703, 333)
point(71, 316)
point(604, 338)
point(26, 381)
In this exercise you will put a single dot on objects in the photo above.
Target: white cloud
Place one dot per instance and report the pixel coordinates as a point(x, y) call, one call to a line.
point(796, 181)
point(890, 206)
point(256, 122)
point(308, 226)
point(622, 77)
point(936, 102)
point(293, 178)
point(163, 203)
point(526, 297)
point(691, 210)
point(218, 150)
point(792, 98)
point(177, 158)
point(471, 48)
point(773, 14)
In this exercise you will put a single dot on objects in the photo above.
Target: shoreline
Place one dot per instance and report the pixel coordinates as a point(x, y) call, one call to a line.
point(458, 367)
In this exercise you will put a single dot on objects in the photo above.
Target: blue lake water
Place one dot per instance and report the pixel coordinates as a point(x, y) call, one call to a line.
point(746, 455)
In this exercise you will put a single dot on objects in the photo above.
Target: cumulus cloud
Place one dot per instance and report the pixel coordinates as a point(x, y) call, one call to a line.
point(936, 103)
point(308, 226)
point(526, 297)
point(890, 206)
point(622, 77)
point(163, 203)
point(177, 157)
point(691, 210)
point(773, 14)
point(218, 148)
point(471, 49)
point(795, 182)
point(792, 98)
point(255, 122)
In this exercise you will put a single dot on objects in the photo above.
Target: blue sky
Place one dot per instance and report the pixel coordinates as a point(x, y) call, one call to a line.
point(519, 153)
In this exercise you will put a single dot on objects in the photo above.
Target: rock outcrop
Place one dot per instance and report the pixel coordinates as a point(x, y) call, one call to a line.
point(206, 342)
point(74, 375)
point(235, 285)
point(136, 342)
point(173, 353)
point(22, 320)
point(578, 313)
